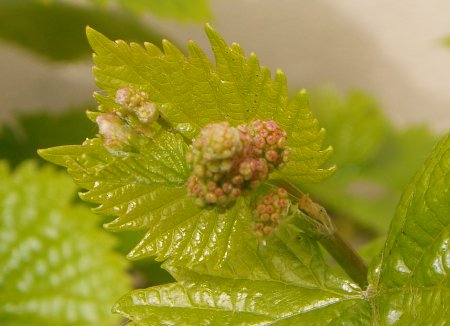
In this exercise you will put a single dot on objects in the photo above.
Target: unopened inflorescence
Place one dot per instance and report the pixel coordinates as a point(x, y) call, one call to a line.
point(134, 115)
point(228, 162)
point(269, 210)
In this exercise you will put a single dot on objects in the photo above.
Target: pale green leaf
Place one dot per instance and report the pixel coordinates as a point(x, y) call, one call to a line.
point(155, 162)
point(191, 93)
point(146, 191)
point(409, 285)
point(36, 26)
point(356, 127)
point(57, 266)
point(145, 188)
point(411, 278)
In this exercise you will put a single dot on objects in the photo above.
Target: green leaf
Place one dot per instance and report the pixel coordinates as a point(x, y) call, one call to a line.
point(182, 10)
point(146, 187)
point(411, 277)
point(285, 281)
point(57, 266)
point(42, 129)
point(409, 283)
point(36, 26)
point(214, 301)
point(192, 94)
point(355, 125)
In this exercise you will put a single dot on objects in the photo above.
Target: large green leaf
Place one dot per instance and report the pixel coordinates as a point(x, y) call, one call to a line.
point(146, 187)
point(411, 277)
point(56, 266)
point(408, 285)
point(192, 94)
point(56, 30)
point(284, 281)
point(215, 301)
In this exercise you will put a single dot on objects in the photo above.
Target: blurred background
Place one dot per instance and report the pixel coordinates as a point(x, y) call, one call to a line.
point(378, 75)
point(393, 51)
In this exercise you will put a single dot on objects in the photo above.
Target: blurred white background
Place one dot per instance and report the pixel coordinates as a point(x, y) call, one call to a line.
point(389, 49)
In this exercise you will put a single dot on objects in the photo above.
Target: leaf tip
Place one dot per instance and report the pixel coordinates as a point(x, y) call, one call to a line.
point(209, 28)
point(94, 37)
point(90, 31)
point(43, 152)
point(303, 92)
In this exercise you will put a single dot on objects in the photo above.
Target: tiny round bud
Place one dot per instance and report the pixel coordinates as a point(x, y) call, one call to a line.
point(147, 113)
point(269, 210)
point(211, 198)
point(113, 131)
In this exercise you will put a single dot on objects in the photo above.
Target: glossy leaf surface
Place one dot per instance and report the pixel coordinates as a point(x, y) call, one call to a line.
point(192, 94)
point(285, 281)
point(145, 188)
point(408, 285)
point(412, 275)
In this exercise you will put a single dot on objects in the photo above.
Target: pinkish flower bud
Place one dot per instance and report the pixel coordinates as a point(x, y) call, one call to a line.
point(138, 111)
point(269, 211)
point(229, 162)
point(147, 113)
point(130, 98)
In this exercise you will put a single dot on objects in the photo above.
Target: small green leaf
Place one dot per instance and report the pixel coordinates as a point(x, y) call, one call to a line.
point(57, 266)
point(411, 277)
point(36, 26)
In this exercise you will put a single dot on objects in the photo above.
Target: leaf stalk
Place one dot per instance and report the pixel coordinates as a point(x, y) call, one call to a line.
point(315, 221)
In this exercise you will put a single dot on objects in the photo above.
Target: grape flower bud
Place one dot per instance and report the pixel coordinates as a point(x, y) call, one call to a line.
point(269, 210)
point(228, 163)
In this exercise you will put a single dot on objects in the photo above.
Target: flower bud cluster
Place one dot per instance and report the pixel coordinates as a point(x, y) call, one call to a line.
point(269, 142)
point(115, 134)
point(227, 163)
point(269, 210)
point(138, 104)
point(134, 117)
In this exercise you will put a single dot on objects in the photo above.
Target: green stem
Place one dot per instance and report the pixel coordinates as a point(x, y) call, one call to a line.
point(346, 257)
point(315, 220)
